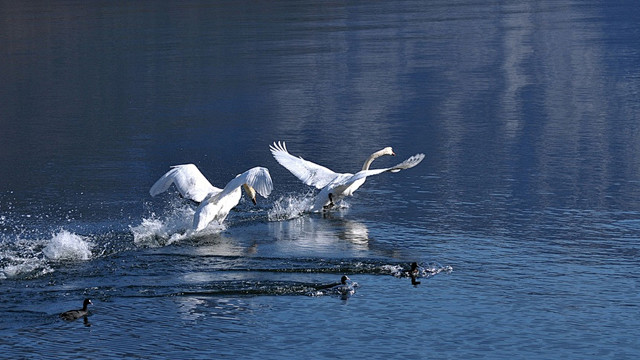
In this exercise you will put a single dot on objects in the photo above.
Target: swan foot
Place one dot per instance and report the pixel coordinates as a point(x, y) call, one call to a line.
point(196, 203)
point(331, 204)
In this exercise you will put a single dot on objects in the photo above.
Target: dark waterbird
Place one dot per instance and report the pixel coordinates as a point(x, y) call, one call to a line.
point(343, 281)
point(76, 314)
point(414, 273)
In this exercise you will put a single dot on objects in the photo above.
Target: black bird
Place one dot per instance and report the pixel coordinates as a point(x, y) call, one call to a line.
point(343, 281)
point(76, 314)
point(414, 273)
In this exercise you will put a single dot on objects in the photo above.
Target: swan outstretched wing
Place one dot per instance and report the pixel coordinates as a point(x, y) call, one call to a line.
point(188, 180)
point(308, 172)
point(407, 164)
point(258, 178)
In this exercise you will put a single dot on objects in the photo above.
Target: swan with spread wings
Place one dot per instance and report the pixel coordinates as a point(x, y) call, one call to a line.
point(214, 203)
point(334, 186)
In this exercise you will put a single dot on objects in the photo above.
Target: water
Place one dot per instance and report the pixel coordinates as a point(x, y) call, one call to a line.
point(524, 215)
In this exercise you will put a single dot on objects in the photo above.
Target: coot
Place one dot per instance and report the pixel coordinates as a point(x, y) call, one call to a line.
point(76, 314)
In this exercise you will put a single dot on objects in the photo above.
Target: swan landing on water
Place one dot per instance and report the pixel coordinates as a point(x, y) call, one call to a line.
point(214, 203)
point(334, 186)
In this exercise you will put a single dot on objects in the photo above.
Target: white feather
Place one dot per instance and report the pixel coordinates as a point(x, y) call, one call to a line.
point(215, 203)
point(329, 182)
point(188, 180)
point(309, 173)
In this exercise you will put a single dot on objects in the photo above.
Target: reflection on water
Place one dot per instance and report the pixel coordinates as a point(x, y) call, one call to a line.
point(355, 233)
point(321, 233)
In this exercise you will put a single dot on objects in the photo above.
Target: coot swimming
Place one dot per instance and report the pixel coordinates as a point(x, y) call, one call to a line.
point(76, 314)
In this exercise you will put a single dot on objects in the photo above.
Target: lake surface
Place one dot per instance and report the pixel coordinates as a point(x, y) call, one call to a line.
point(524, 215)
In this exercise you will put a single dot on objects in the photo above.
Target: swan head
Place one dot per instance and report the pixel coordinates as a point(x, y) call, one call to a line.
point(251, 193)
point(344, 279)
point(387, 151)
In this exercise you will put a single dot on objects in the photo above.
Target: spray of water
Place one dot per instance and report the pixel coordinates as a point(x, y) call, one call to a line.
point(36, 257)
point(290, 207)
point(173, 226)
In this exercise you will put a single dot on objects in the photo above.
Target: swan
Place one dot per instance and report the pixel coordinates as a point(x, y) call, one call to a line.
point(214, 203)
point(334, 186)
point(76, 314)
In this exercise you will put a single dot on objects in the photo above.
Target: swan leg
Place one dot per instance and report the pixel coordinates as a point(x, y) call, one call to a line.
point(196, 203)
point(331, 204)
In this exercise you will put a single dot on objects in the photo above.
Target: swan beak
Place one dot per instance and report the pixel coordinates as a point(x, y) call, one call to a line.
point(393, 154)
point(251, 193)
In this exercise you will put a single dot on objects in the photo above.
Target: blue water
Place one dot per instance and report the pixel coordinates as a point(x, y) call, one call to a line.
point(524, 215)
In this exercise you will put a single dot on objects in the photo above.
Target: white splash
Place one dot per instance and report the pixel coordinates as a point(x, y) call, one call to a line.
point(175, 226)
point(395, 270)
point(424, 271)
point(435, 269)
point(16, 266)
point(33, 257)
point(344, 290)
point(67, 246)
point(290, 207)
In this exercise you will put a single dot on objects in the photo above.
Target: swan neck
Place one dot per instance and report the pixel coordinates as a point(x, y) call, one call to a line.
point(373, 156)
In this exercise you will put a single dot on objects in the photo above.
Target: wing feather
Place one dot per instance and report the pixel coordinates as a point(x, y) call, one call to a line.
point(407, 164)
point(188, 180)
point(308, 172)
point(257, 177)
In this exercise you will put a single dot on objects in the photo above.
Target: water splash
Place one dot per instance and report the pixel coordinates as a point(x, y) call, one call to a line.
point(176, 225)
point(16, 266)
point(290, 207)
point(67, 246)
point(424, 270)
point(343, 290)
point(30, 258)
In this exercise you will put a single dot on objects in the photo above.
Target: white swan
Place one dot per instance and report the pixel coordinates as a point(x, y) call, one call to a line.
point(214, 203)
point(334, 186)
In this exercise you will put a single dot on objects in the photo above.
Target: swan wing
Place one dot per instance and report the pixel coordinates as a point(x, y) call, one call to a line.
point(407, 164)
point(217, 206)
point(257, 177)
point(188, 180)
point(308, 172)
